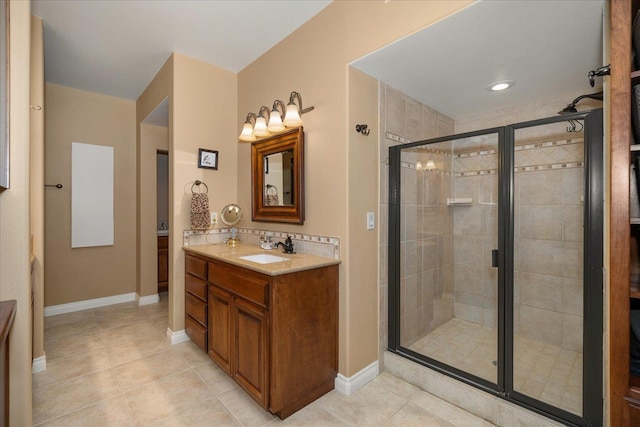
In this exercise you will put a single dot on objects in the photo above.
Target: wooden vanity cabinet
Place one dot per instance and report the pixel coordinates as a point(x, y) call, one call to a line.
point(276, 336)
point(163, 263)
point(195, 284)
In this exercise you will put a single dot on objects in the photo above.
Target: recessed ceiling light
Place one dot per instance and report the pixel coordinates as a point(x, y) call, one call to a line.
point(501, 85)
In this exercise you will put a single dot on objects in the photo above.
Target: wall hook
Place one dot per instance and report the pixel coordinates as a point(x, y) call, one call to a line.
point(363, 129)
point(54, 185)
point(599, 72)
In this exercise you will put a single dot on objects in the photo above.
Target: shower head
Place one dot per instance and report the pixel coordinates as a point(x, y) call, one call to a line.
point(571, 108)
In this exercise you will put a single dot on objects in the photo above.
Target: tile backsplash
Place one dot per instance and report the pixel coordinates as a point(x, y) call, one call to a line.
point(303, 243)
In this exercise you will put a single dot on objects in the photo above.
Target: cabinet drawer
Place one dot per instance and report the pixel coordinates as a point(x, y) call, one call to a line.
point(195, 286)
point(196, 332)
point(242, 282)
point(196, 309)
point(196, 266)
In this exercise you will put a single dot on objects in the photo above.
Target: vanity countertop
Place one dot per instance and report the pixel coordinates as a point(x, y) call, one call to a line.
point(231, 255)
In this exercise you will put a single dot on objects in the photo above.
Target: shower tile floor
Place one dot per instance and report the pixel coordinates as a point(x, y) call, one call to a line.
point(542, 370)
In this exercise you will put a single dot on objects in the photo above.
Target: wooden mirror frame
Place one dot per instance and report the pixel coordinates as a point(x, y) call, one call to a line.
point(290, 140)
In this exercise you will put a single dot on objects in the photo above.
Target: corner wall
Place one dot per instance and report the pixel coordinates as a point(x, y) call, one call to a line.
point(37, 183)
point(202, 114)
point(14, 217)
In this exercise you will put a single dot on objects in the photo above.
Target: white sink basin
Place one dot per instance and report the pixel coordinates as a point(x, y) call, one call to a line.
point(263, 258)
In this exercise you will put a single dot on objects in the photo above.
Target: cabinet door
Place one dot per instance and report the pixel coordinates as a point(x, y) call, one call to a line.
point(163, 263)
point(163, 267)
point(251, 339)
point(220, 303)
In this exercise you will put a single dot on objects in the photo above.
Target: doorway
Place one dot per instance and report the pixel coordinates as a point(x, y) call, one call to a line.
point(495, 262)
point(162, 200)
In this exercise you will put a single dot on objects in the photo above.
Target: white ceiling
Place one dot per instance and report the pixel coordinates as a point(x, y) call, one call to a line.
point(546, 47)
point(116, 47)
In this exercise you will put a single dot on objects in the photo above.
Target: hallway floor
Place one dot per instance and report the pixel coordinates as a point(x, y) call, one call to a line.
point(113, 366)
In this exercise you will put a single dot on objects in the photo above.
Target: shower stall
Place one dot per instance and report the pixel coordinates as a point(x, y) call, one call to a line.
point(495, 261)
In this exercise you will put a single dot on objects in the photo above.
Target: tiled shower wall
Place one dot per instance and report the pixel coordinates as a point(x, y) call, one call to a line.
point(475, 229)
point(426, 244)
point(402, 120)
point(548, 208)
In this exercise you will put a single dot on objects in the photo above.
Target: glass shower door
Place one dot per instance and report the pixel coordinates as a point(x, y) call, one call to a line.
point(557, 265)
point(495, 261)
point(448, 240)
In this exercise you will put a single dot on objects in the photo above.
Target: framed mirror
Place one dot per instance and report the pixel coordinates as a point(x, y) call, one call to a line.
point(277, 178)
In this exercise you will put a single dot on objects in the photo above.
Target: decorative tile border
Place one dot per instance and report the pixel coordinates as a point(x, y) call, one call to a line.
point(304, 243)
point(549, 144)
point(532, 168)
point(474, 154)
point(551, 166)
point(397, 138)
point(477, 173)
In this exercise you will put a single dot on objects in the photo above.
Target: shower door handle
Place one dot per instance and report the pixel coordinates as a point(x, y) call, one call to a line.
point(494, 258)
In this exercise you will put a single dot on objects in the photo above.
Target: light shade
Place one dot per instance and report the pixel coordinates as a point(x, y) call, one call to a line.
point(430, 165)
point(275, 122)
point(247, 133)
point(260, 129)
point(292, 117)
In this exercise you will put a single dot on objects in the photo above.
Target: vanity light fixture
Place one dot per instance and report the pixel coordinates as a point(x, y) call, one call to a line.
point(277, 121)
point(247, 129)
point(260, 128)
point(275, 118)
point(500, 86)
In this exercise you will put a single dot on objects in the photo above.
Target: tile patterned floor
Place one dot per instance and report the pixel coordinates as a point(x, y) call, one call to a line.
point(541, 370)
point(112, 366)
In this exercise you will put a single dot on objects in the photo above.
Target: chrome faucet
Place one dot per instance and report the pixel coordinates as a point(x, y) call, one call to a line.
point(287, 245)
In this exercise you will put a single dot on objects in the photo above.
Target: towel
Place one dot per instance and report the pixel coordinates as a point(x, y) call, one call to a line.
point(272, 200)
point(200, 211)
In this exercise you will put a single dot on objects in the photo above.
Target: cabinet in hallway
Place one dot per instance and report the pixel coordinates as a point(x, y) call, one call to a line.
point(163, 263)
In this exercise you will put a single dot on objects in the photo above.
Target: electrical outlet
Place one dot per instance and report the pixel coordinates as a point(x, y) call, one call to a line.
point(214, 218)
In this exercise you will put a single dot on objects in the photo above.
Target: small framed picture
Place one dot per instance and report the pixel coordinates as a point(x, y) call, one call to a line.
point(207, 159)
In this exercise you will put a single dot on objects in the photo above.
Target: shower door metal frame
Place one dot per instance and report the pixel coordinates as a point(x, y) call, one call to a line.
point(394, 266)
point(593, 211)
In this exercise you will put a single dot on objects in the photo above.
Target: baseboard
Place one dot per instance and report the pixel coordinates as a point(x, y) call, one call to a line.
point(39, 364)
point(54, 310)
point(352, 384)
point(177, 337)
point(146, 300)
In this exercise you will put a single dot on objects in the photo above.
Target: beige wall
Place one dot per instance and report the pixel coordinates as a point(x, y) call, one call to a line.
point(14, 218)
point(86, 273)
point(314, 61)
point(362, 158)
point(204, 113)
point(152, 139)
point(37, 182)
